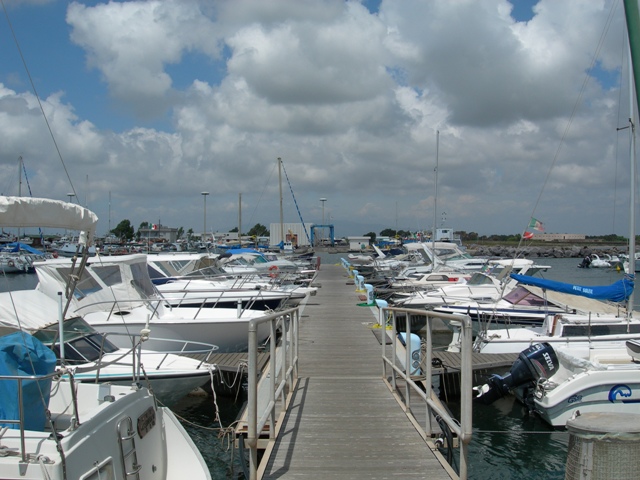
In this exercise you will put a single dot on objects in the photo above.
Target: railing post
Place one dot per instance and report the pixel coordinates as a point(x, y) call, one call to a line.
point(466, 408)
point(252, 402)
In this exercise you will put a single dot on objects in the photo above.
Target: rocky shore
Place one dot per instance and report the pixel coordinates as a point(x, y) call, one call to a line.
point(550, 251)
point(538, 251)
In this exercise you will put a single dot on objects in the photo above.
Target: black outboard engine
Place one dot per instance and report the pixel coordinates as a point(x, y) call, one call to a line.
point(537, 361)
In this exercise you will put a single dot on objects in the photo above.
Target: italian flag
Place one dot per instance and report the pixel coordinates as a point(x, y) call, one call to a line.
point(536, 224)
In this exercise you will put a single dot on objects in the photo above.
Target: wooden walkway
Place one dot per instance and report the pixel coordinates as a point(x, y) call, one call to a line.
point(343, 421)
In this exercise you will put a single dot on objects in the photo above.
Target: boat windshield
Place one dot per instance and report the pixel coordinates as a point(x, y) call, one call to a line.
point(522, 296)
point(82, 343)
point(480, 279)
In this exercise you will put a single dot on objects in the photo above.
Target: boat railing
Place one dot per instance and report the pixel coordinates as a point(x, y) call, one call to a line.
point(417, 379)
point(21, 395)
point(279, 380)
point(182, 347)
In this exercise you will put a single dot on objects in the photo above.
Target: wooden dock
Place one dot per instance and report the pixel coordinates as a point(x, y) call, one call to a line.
point(343, 421)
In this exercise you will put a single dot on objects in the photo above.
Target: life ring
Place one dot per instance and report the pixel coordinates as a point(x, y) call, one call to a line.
point(273, 271)
point(10, 263)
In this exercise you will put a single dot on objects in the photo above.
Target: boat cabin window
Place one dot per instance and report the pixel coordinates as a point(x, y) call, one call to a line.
point(109, 274)
point(86, 285)
point(141, 280)
point(586, 330)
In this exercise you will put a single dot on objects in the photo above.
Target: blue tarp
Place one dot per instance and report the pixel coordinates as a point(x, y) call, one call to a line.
point(616, 292)
point(23, 355)
point(17, 246)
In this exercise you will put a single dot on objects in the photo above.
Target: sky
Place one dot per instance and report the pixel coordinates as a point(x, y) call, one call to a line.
point(470, 115)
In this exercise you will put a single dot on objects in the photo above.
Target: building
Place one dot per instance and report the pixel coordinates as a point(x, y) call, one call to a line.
point(159, 233)
point(357, 244)
point(558, 237)
point(296, 233)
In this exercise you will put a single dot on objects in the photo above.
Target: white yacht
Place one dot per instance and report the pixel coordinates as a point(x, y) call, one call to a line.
point(114, 294)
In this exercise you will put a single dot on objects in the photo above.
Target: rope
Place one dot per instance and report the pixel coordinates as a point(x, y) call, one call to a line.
point(296, 204)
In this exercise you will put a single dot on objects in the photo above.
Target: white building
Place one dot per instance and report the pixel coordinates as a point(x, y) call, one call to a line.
point(293, 232)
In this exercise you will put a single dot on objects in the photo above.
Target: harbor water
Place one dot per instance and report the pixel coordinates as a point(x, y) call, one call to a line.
point(507, 441)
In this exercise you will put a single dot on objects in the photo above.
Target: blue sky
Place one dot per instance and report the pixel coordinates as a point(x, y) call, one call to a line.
point(152, 102)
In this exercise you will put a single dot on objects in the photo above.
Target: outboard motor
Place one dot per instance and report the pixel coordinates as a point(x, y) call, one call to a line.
point(537, 361)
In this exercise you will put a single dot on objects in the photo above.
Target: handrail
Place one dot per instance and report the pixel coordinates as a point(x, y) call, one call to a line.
point(281, 377)
point(21, 414)
point(464, 429)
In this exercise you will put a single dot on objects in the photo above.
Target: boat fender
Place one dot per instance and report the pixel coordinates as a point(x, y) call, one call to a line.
point(273, 271)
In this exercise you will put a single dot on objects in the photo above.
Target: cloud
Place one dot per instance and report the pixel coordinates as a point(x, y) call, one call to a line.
point(212, 93)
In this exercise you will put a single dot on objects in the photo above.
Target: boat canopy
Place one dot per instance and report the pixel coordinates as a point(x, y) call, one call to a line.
point(28, 212)
point(16, 247)
point(616, 292)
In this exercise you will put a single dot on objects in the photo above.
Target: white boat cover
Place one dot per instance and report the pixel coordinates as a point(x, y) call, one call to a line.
point(26, 212)
point(28, 310)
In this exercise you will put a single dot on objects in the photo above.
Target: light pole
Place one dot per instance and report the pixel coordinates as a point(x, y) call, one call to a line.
point(204, 196)
point(70, 195)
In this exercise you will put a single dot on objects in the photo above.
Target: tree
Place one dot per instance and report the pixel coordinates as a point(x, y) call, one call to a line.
point(387, 232)
point(180, 232)
point(189, 234)
point(258, 230)
point(371, 235)
point(124, 230)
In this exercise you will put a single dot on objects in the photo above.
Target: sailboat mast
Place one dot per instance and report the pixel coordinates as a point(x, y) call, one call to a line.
point(435, 197)
point(281, 214)
point(632, 174)
point(632, 17)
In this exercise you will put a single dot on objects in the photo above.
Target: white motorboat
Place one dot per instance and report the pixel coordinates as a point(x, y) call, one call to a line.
point(252, 295)
point(95, 357)
point(574, 333)
point(558, 385)
point(86, 430)
point(447, 254)
point(56, 428)
point(114, 294)
point(535, 298)
point(485, 286)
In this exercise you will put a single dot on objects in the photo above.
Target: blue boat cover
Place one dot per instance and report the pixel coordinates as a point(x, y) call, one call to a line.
point(23, 355)
point(17, 246)
point(616, 292)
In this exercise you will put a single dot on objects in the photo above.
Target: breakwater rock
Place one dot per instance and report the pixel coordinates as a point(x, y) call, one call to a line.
point(544, 251)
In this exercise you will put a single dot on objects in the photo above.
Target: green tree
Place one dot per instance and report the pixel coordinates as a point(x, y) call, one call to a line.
point(372, 236)
point(180, 232)
point(189, 234)
point(124, 230)
point(258, 230)
point(387, 232)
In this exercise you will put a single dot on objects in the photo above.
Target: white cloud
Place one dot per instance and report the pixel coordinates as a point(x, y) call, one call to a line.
point(350, 100)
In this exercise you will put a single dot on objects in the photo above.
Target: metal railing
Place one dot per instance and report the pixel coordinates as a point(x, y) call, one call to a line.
point(412, 374)
point(41, 381)
point(280, 379)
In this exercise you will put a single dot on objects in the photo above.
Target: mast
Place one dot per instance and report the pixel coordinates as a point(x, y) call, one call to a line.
point(281, 214)
point(435, 200)
point(633, 27)
point(19, 184)
point(240, 218)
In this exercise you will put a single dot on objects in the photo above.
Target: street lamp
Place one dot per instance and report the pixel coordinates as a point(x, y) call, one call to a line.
point(204, 196)
point(70, 195)
point(323, 200)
